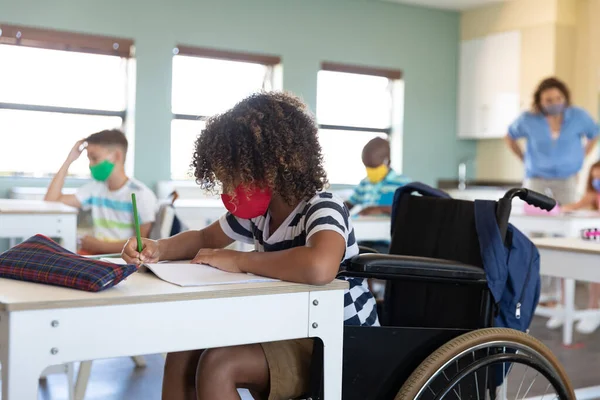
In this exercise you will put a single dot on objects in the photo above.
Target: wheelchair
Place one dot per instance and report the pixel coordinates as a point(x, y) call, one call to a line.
point(436, 339)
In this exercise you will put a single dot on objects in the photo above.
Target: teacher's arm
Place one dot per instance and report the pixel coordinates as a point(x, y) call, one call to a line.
point(589, 146)
point(591, 130)
point(514, 147)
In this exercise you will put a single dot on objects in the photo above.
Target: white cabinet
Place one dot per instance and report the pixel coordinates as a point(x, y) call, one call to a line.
point(488, 95)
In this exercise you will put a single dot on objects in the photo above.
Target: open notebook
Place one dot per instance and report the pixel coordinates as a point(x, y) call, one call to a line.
point(184, 274)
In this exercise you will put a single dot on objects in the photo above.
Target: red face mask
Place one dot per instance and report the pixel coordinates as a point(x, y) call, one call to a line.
point(247, 204)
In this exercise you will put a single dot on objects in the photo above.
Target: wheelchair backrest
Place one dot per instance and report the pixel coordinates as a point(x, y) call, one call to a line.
point(437, 228)
point(440, 228)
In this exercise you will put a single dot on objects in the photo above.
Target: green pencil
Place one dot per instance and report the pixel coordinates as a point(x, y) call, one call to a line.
point(136, 222)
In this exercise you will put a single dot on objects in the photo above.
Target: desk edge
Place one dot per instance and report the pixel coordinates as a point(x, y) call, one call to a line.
point(230, 291)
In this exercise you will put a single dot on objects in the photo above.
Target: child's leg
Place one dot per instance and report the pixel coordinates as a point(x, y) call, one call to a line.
point(179, 380)
point(223, 370)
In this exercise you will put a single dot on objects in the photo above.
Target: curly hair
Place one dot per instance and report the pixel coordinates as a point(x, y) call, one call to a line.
point(268, 140)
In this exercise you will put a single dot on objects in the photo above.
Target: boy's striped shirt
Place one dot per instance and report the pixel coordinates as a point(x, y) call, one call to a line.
point(112, 211)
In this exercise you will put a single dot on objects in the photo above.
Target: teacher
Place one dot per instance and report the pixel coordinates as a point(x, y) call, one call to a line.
point(559, 136)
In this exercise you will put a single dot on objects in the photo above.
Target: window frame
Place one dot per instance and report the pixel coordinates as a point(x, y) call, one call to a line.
point(226, 55)
point(65, 41)
point(393, 132)
point(391, 74)
point(269, 61)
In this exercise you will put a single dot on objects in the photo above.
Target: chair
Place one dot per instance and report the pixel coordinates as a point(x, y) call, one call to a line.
point(437, 334)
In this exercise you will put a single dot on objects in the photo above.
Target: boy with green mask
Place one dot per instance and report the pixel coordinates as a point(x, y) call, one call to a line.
point(108, 197)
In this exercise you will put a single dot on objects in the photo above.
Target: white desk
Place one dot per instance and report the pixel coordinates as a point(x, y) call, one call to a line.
point(199, 213)
point(25, 218)
point(44, 325)
point(567, 225)
point(573, 260)
point(372, 228)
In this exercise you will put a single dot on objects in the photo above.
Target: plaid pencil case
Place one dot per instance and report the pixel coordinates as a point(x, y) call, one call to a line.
point(40, 259)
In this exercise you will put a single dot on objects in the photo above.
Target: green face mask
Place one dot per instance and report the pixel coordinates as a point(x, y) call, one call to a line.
point(102, 170)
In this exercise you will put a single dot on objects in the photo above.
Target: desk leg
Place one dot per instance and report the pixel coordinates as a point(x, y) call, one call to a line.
point(569, 312)
point(69, 234)
point(20, 378)
point(83, 377)
point(327, 323)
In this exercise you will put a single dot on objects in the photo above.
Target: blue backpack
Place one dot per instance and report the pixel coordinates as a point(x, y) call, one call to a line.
point(512, 267)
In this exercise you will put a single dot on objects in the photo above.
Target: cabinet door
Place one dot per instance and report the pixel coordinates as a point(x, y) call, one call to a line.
point(488, 99)
point(500, 88)
point(469, 83)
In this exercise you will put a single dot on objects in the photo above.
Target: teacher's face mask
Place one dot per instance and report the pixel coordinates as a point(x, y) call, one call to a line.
point(554, 109)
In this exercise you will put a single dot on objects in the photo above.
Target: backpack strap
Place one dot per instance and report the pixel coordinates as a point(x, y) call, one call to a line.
point(492, 249)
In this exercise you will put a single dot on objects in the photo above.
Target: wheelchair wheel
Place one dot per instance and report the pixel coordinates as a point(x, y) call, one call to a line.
point(493, 363)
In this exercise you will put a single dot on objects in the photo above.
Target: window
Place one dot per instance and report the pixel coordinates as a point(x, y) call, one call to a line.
point(56, 88)
point(207, 82)
point(354, 105)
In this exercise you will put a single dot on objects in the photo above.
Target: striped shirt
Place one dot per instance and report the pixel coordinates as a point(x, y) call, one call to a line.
point(112, 211)
point(323, 212)
point(378, 194)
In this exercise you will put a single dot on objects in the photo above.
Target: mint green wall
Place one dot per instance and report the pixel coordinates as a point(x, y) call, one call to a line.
point(421, 42)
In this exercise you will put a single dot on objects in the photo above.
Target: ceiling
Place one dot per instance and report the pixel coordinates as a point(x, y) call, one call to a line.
point(448, 4)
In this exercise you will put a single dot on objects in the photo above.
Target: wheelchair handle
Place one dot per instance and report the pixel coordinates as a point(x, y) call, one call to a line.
point(528, 196)
point(532, 198)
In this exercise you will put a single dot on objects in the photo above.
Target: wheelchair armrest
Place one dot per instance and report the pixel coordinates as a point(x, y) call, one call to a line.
point(388, 266)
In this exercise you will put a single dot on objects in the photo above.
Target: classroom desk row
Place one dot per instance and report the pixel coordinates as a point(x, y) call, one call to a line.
point(573, 260)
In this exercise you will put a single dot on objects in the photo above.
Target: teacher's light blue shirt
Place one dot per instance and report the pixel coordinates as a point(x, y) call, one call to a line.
point(550, 158)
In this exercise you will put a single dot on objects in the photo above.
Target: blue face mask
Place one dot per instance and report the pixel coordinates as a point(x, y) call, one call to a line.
point(554, 109)
point(596, 184)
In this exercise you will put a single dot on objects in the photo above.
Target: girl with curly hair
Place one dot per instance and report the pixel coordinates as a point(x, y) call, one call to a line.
point(265, 158)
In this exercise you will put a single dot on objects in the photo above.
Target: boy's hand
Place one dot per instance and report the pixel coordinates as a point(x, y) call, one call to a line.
point(225, 260)
point(76, 151)
point(150, 251)
point(92, 245)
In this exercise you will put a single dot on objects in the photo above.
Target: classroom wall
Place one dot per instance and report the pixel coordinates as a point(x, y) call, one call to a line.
point(422, 42)
point(559, 37)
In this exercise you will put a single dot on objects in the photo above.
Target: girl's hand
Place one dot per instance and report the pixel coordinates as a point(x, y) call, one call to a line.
point(225, 260)
point(150, 251)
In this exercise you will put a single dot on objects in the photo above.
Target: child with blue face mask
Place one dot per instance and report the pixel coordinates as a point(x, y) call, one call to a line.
point(590, 200)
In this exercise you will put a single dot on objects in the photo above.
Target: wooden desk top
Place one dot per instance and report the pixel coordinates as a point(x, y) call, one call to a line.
point(137, 288)
point(574, 245)
point(17, 206)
